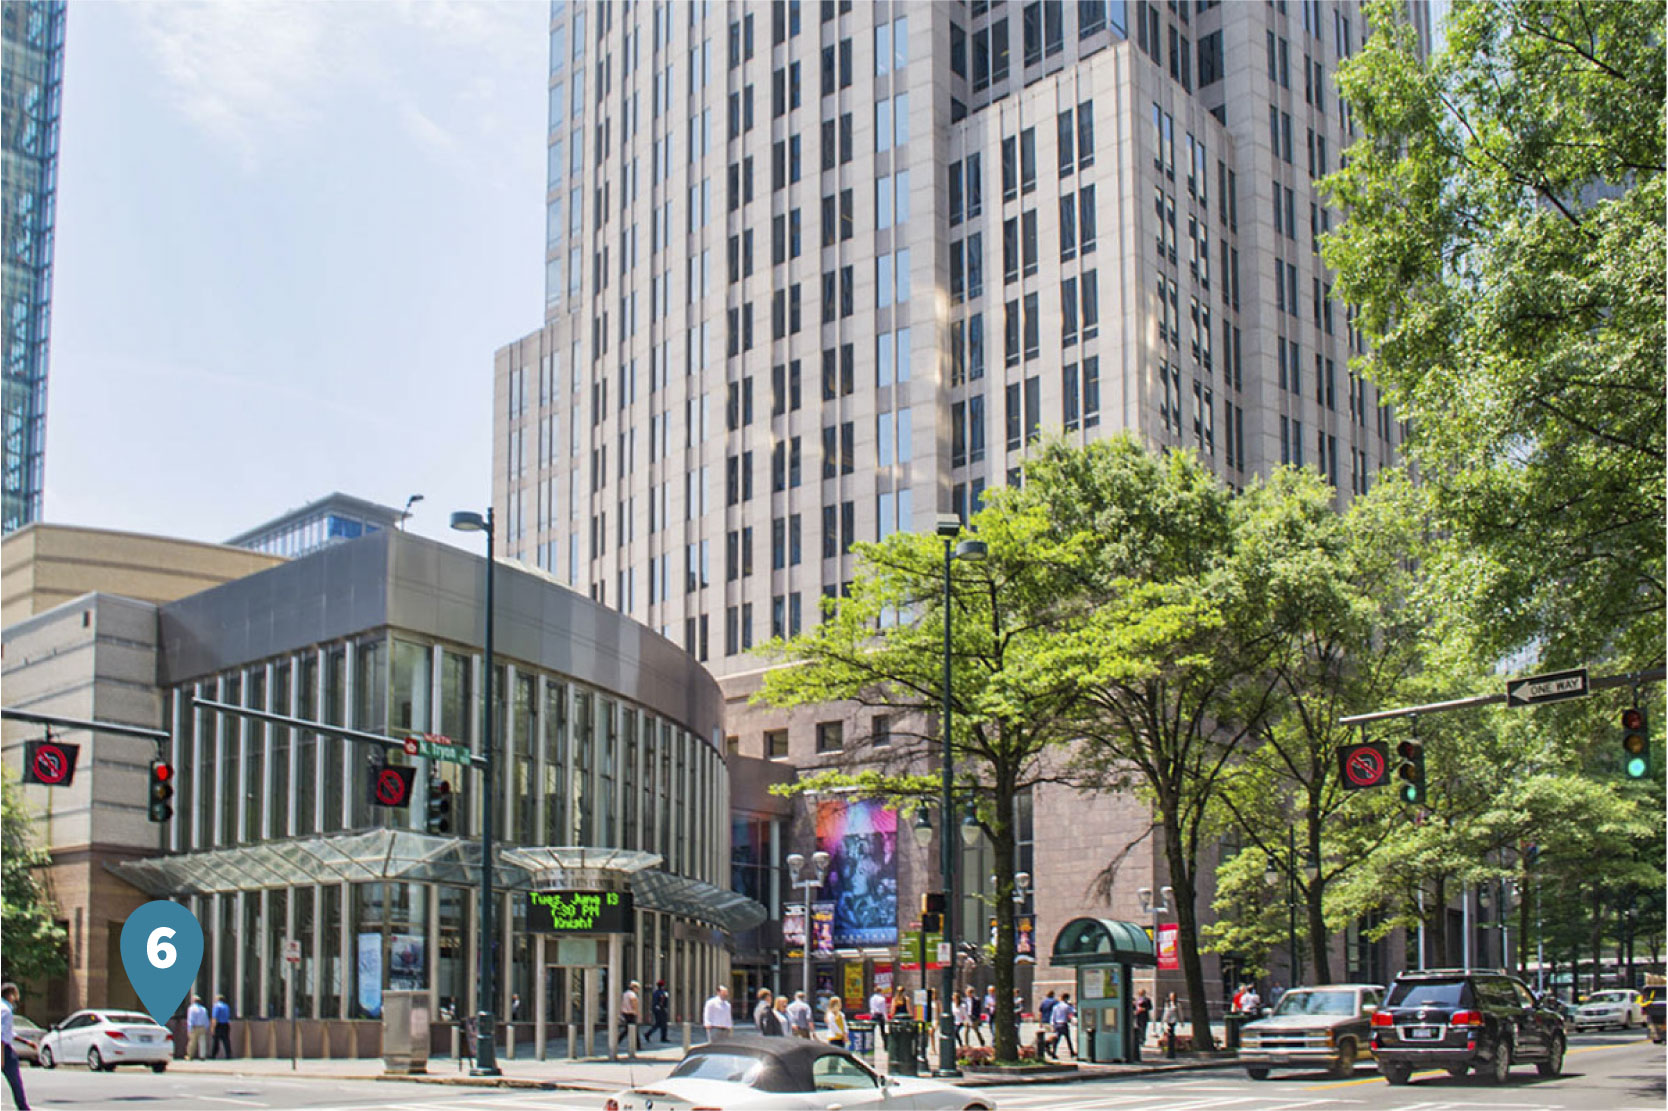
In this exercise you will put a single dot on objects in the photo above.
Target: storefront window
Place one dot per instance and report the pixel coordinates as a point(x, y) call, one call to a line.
point(555, 764)
point(307, 747)
point(254, 783)
point(276, 935)
point(579, 786)
point(526, 798)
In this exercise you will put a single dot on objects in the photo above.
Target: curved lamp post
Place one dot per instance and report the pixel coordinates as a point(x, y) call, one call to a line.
point(486, 1034)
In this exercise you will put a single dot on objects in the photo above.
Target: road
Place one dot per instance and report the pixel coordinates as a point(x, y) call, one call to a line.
point(1603, 1073)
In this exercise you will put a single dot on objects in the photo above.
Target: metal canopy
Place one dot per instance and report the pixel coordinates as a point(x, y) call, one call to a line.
point(1101, 941)
point(397, 855)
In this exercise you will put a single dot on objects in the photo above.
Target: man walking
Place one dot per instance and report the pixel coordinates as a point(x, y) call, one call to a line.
point(1143, 1017)
point(628, 1015)
point(14, 1078)
point(877, 1011)
point(196, 1030)
point(799, 1016)
point(222, 1027)
point(716, 1016)
point(660, 1005)
point(1062, 1016)
point(769, 1025)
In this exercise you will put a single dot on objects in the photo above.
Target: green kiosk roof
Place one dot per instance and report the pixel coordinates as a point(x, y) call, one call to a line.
point(1102, 941)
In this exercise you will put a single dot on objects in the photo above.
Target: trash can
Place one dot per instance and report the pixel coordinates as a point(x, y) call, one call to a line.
point(900, 1049)
point(1231, 1022)
point(860, 1035)
point(405, 1032)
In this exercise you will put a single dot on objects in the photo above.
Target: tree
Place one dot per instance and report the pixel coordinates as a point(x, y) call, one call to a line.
point(884, 647)
point(1339, 590)
point(31, 940)
point(1165, 650)
point(1504, 245)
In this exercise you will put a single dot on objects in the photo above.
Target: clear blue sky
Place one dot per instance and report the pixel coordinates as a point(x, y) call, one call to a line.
point(289, 238)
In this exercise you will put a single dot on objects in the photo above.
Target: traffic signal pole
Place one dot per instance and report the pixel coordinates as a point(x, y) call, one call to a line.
point(1602, 682)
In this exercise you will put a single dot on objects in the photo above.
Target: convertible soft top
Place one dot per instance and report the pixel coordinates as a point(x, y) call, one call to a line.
point(787, 1061)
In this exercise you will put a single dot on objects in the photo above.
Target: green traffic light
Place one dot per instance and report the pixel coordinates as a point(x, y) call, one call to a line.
point(1637, 766)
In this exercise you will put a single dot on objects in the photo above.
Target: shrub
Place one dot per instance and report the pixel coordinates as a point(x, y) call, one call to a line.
point(975, 1054)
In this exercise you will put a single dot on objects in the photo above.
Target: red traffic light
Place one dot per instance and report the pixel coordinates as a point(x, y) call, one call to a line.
point(1633, 719)
point(1410, 750)
point(161, 771)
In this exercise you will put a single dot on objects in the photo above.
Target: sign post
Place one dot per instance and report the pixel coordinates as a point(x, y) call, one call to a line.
point(292, 961)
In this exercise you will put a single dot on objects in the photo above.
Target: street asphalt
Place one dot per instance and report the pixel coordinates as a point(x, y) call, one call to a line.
point(1604, 1072)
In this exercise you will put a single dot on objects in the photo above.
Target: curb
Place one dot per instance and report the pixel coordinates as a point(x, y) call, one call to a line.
point(1015, 1079)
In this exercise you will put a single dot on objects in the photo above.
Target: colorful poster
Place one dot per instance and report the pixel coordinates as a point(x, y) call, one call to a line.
point(861, 839)
point(852, 991)
point(883, 979)
point(793, 929)
point(822, 929)
point(405, 963)
point(1025, 938)
point(1167, 934)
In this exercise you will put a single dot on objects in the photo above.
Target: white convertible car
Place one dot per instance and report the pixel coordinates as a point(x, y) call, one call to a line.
point(789, 1074)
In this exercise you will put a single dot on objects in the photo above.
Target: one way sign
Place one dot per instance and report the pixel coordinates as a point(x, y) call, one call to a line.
point(1552, 687)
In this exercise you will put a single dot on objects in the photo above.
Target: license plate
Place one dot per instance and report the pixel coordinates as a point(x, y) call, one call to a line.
point(1424, 1033)
point(146, 1038)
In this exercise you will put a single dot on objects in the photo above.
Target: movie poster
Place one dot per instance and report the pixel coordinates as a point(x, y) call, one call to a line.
point(1167, 947)
point(861, 840)
point(370, 974)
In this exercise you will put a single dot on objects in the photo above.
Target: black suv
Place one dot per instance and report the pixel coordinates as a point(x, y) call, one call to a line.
point(1457, 1018)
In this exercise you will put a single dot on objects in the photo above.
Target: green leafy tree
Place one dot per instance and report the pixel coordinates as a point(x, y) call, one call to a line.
point(883, 647)
point(1504, 245)
point(1339, 590)
point(31, 941)
point(1168, 649)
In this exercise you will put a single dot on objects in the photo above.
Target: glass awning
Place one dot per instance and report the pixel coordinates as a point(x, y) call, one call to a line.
point(397, 855)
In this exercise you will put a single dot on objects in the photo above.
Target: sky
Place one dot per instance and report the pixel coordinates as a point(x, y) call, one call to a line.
point(289, 238)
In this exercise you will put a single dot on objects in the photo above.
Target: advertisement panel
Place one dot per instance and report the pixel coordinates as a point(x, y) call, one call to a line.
point(1167, 951)
point(861, 840)
point(822, 929)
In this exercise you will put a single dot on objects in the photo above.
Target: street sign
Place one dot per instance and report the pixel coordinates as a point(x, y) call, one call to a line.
point(1364, 765)
point(436, 746)
point(1554, 686)
point(292, 951)
point(943, 953)
point(391, 785)
point(49, 763)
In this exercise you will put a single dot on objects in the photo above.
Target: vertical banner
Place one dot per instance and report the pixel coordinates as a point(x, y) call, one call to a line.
point(370, 974)
point(1167, 954)
point(793, 930)
point(406, 970)
point(822, 929)
point(851, 991)
point(861, 840)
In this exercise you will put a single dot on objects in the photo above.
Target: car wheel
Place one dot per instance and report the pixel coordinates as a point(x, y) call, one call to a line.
point(95, 1062)
point(46, 1058)
point(1344, 1067)
point(1500, 1068)
point(1395, 1074)
point(160, 1066)
point(1554, 1063)
point(1257, 1074)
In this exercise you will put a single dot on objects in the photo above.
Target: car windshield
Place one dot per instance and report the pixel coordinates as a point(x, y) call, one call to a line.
point(1608, 997)
point(128, 1018)
point(1429, 993)
point(1316, 1003)
point(737, 1068)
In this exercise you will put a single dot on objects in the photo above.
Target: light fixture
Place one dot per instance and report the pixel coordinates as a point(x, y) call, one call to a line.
point(819, 860)
point(970, 831)
point(972, 550)
point(465, 520)
point(1022, 884)
point(923, 827)
point(1146, 895)
point(795, 863)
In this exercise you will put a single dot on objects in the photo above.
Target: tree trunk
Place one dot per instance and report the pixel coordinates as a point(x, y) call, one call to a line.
point(1598, 938)
point(1004, 1025)
point(1320, 950)
point(1183, 881)
point(1523, 927)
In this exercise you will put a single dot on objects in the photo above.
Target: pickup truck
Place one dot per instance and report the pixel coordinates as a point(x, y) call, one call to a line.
point(1315, 1027)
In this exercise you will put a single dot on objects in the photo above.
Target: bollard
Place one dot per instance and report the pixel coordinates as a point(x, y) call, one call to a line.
point(687, 1034)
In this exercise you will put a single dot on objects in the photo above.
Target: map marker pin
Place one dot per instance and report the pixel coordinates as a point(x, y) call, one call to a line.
point(162, 948)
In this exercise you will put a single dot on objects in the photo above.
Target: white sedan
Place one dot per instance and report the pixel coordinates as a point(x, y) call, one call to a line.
point(789, 1074)
point(105, 1039)
point(1620, 1009)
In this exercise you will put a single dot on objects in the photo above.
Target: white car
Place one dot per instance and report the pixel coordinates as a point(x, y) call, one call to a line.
point(1620, 1009)
point(789, 1074)
point(105, 1039)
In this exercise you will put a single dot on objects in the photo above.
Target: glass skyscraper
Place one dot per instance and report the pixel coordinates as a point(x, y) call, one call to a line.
point(34, 74)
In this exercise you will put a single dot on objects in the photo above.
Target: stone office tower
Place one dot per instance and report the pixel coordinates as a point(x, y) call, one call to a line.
point(820, 271)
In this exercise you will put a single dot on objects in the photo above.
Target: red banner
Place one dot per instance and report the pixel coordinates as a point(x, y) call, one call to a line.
point(1167, 933)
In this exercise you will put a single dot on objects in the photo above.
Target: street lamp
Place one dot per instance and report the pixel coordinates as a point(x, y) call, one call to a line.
point(486, 1034)
point(949, 527)
point(406, 512)
point(812, 881)
point(1271, 875)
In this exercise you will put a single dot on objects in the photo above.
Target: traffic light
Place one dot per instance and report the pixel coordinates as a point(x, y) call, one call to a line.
point(440, 806)
point(161, 790)
point(1412, 770)
point(1636, 744)
point(933, 904)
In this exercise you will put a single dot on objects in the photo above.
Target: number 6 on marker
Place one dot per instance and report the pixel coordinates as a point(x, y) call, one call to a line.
point(159, 952)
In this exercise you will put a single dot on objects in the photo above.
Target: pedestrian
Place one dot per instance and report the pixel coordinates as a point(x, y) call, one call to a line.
point(799, 1016)
point(877, 1010)
point(973, 1016)
point(660, 1005)
point(1062, 1016)
point(764, 1017)
point(1237, 1003)
point(987, 1010)
point(14, 1078)
point(902, 1011)
point(628, 1014)
point(835, 1019)
point(1170, 1017)
point(1045, 1008)
point(222, 1027)
point(1251, 1003)
point(1143, 1017)
point(1019, 1007)
point(515, 1007)
point(959, 1012)
point(196, 1030)
point(717, 1017)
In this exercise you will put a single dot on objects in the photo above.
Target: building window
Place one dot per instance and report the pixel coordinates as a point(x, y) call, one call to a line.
point(776, 743)
point(831, 736)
